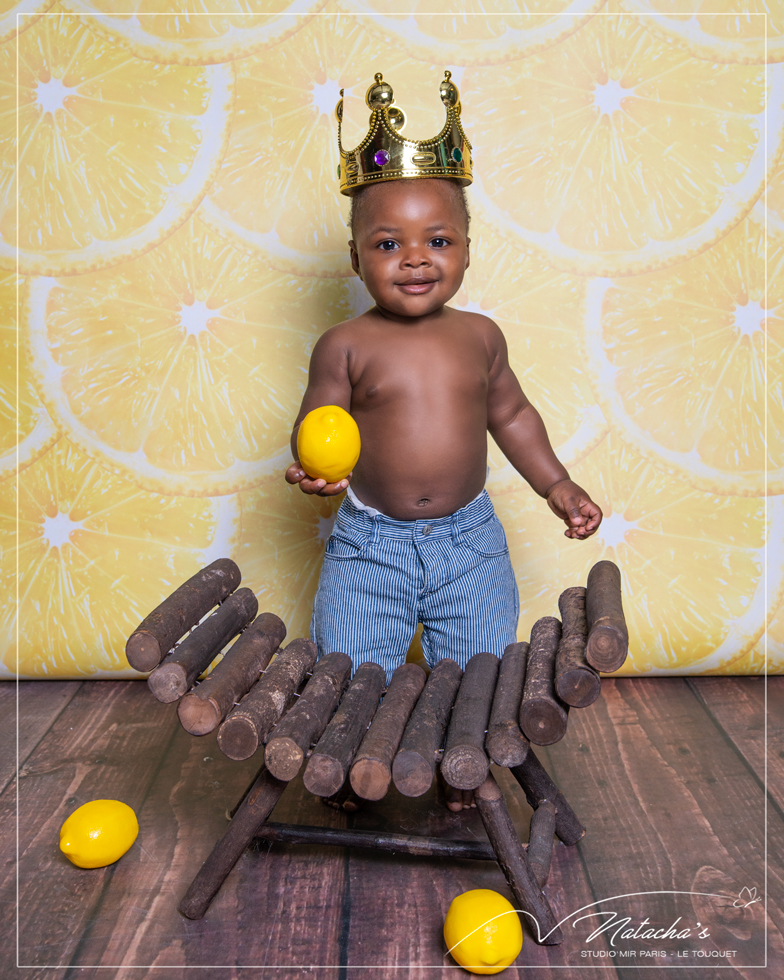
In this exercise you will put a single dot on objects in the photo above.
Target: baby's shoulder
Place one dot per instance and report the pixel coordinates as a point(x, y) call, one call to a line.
point(478, 324)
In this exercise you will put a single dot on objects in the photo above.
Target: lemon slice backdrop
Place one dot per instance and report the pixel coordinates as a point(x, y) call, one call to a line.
point(95, 555)
point(182, 246)
point(594, 155)
point(541, 312)
point(11, 24)
point(181, 370)
point(26, 431)
point(477, 32)
point(717, 30)
point(687, 364)
point(696, 593)
point(194, 33)
point(113, 152)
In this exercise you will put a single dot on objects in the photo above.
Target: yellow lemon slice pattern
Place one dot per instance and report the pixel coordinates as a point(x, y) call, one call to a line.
point(277, 193)
point(11, 24)
point(717, 30)
point(768, 654)
point(95, 555)
point(768, 212)
point(183, 369)
point(687, 365)
point(610, 164)
point(195, 33)
point(482, 32)
point(113, 152)
point(23, 418)
point(284, 532)
point(540, 311)
point(696, 591)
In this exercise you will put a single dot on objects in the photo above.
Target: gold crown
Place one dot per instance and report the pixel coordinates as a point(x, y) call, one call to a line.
point(385, 155)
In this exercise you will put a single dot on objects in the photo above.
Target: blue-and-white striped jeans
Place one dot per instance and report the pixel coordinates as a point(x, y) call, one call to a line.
point(381, 577)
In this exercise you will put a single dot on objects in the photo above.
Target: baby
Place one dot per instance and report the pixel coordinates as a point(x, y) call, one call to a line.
point(416, 540)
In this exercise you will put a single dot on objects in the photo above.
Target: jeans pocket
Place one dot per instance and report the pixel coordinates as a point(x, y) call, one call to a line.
point(343, 547)
point(487, 540)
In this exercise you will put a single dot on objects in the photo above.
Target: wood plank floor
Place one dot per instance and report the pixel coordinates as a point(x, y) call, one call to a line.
point(668, 775)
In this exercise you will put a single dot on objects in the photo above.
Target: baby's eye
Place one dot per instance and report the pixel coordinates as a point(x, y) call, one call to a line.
point(438, 243)
point(388, 245)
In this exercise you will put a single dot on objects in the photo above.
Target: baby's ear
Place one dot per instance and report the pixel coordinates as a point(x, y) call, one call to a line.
point(468, 252)
point(354, 258)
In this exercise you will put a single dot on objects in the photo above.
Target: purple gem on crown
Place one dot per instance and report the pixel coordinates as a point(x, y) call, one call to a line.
point(381, 158)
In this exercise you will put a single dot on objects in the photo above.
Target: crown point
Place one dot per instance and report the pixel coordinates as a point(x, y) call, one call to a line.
point(448, 91)
point(380, 94)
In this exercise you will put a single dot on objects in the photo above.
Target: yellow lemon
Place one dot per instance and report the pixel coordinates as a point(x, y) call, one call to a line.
point(482, 931)
point(98, 833)
point(328, 443)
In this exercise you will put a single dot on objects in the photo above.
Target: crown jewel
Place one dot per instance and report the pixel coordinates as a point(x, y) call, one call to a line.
point(386, 155)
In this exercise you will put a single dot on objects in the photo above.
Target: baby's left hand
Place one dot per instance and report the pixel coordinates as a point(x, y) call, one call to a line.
point(573, 505)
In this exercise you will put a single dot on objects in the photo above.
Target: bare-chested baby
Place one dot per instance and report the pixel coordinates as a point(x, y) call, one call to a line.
point(416, 539)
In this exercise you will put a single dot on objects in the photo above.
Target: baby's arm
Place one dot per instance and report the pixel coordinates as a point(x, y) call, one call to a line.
point(519, 431)
point(328, 384)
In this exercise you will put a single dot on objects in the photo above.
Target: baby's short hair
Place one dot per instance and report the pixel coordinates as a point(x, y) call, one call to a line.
point(356, 206)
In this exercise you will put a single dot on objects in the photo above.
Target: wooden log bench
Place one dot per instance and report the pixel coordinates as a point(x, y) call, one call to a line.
point(346, 733)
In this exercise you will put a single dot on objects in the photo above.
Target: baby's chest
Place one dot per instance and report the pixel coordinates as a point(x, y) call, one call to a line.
point(438, 376)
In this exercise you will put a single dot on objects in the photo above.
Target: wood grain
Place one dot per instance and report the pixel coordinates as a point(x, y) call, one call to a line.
point(672, 763)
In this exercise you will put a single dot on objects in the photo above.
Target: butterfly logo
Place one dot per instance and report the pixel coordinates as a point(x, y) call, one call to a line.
point(745, 898)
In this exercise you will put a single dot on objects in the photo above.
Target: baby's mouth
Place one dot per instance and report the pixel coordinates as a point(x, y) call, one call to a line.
point(416, 286)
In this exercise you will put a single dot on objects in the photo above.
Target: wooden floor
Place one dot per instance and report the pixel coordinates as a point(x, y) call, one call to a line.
point(667, 774)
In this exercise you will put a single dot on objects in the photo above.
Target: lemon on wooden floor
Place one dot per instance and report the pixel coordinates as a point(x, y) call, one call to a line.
point(485, 31)
point(276, 193)
point(114, 152)
point(95, 554)
point(541, 312)
point(195, 33)
point(180, 369)
point(687, 364)
point(610, 164)
point(697, 594)
point(26, 431)
point(328, 443)
point(482, 931)
point(98, 833)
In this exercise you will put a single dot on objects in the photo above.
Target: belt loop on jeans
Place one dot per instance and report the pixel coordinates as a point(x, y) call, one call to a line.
point(455, 524)
point(375, 527)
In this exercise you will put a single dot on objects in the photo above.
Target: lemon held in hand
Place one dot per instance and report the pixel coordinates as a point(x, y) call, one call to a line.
point(328, 443)
point(98, 833)
point(482, 931)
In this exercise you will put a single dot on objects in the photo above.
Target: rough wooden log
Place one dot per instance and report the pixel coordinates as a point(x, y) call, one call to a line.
point(540, 841)
point(178, 672)
point(542, 716)
point(308, 718)
point(157, 633)
point(505, 743)
point(328, 766)
point(250, 815)
point(281, 833)
point(203, 709)
point(371, 772)
point(511, 856)
point(537, 786)
point(249, 722)
point(576, 682)
point(415, 763)
point(465, 764)
point(608, 637)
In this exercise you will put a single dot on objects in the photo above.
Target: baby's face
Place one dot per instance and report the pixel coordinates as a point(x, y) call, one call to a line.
point(410, 246)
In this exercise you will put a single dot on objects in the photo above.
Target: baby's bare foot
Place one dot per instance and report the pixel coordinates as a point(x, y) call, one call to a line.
point(457, 799)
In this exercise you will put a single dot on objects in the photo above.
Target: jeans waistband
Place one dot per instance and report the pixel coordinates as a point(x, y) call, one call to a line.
point(477, 512)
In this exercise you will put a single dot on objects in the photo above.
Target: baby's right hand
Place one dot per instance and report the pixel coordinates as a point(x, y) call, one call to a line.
point(295, 474)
